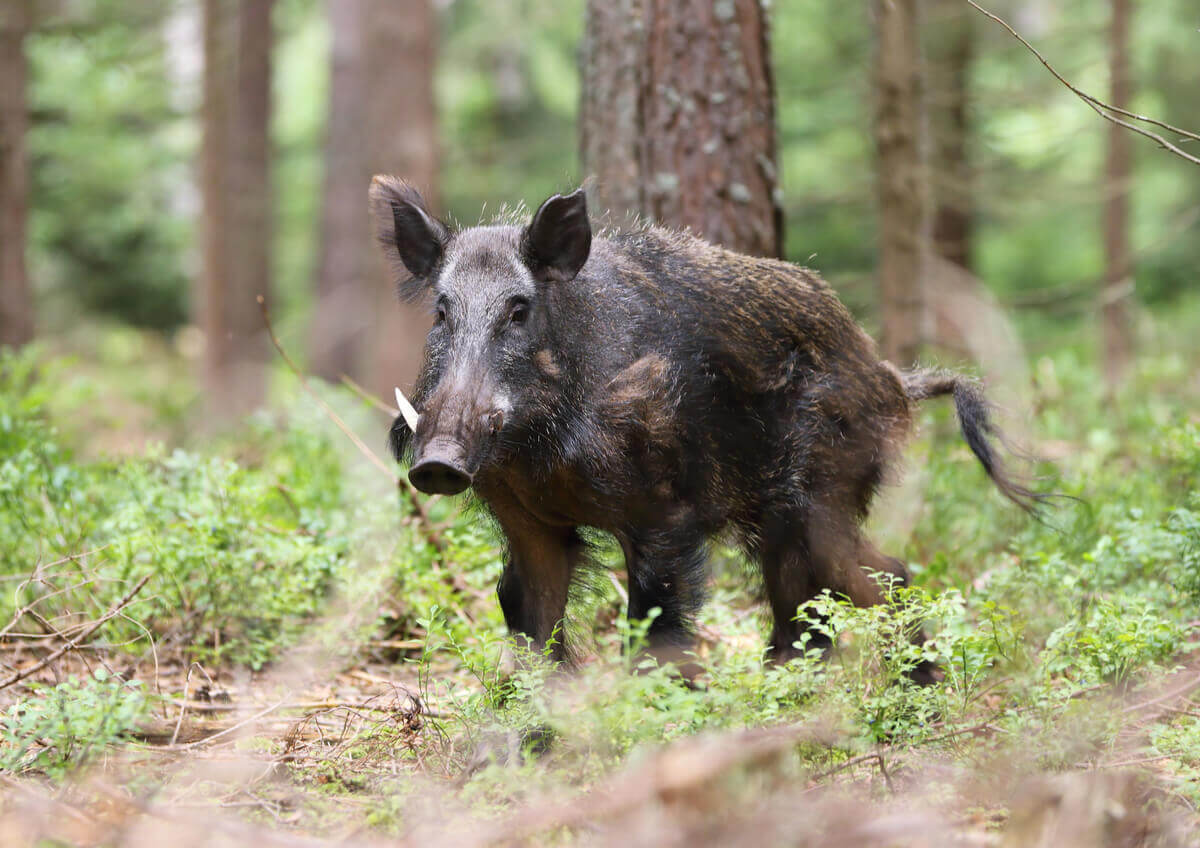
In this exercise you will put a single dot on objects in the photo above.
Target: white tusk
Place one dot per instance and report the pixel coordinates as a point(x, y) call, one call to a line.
point(407, 410)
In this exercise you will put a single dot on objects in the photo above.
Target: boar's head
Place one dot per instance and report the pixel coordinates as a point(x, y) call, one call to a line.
point(489, 287)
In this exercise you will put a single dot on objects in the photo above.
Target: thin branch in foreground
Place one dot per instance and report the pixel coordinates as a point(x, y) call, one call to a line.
point(226, 731)
point(427, 527)
point(1105, 110)
point(362, 393)
point(74, 643)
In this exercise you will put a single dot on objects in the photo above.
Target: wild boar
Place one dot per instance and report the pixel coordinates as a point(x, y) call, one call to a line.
point(660, 389)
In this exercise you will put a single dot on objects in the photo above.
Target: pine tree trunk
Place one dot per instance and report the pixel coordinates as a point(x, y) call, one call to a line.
point(901, 179)
point(344, 304)
point(236, 198)
point(678, 117)
point(1117, 295)
point(947, 71)
point(402, 133)
point(16, 301)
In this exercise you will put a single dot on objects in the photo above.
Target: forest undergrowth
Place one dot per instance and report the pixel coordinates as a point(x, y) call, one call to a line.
point(252, 636)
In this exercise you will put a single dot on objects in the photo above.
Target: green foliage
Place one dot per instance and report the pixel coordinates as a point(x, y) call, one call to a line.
point(1023, 618)
point(264, 536)
point(1114, 641)
point(1042, 630)
point(110, 164)
point(62, 727)
point(240, 555)
point(237, 566)
point(508, 87)
point(1178, 742)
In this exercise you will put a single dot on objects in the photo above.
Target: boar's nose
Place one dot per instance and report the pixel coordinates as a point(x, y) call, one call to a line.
point(439, 477)
point(440, 469)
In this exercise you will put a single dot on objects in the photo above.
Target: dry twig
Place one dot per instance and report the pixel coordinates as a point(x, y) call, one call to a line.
point(74, 643)
point(223, 732)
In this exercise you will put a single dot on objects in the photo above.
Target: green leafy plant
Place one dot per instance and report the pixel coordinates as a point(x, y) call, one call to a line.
point(60, 728)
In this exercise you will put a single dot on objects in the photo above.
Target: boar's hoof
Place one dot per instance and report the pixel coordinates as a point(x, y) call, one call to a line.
point(925, 674)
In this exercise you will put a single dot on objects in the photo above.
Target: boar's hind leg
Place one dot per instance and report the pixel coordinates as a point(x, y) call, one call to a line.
point(847, 564)
point(666, 571)
point(783, 552)
point(537, 576)
point(822, 548)
point(925, 672)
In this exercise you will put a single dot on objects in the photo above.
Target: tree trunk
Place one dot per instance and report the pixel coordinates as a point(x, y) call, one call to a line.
point(402, 133)
point(237, 206)
point(16, 301)
point(1116, 296)
point(343, 309)
point(402, 138)
point(901, 179)
point(678, 117)
point(950, 49)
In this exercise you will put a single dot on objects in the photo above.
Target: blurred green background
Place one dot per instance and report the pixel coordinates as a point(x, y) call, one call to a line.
point(115, 90)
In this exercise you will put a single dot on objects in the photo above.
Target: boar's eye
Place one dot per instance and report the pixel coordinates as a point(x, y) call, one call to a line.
point(518, 312)
point(440, 317)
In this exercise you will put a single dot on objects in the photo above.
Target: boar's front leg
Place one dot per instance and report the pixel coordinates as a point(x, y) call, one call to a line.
point(537, 576)
point(666, 571)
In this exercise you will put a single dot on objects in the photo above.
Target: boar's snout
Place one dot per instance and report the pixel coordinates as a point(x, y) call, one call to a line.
point(441, 468)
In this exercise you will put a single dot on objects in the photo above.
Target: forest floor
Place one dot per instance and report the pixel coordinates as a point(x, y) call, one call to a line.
point(252, 637)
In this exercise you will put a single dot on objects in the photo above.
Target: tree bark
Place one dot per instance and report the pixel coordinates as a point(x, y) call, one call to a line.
point(16, 300)
point(678, 117)
point(402, 138)
point(237, 202)
point(343, 309)
point(1117, 295)
point(901, 179)
point(947, 71)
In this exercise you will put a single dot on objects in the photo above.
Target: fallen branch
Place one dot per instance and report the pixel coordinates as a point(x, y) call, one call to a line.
point(245, 722)
point(845, 765)
point(1175, 693)
point(1105, 110)
point(1136, 762)
point(427, 527)
point(74, 643)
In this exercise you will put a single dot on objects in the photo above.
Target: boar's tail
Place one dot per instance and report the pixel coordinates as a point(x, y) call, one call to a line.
point(975, 421)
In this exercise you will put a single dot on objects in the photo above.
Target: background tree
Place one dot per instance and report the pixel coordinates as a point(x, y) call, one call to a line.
point(16, 302)
point(678, 117)
point(237, 201)
point(401, 129)
point(949, 47)
point(344, 307)
point(114, 88)
point(1117, 293)
point(381, 120)
point(901, 179)
point(954, 298)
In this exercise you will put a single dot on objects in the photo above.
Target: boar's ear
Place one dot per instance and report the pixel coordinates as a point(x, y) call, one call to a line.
point(410, 236)
point(557, 241)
